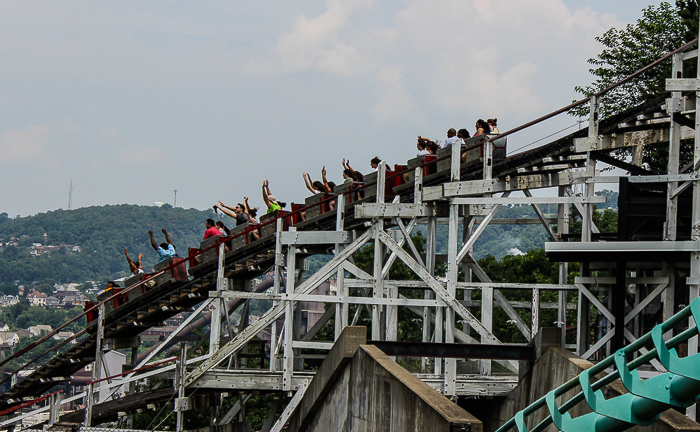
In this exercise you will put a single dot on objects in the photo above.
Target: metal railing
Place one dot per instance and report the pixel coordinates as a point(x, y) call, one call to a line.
point(646, 400)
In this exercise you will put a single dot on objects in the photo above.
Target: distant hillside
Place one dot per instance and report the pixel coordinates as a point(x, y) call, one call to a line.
point(102, 232)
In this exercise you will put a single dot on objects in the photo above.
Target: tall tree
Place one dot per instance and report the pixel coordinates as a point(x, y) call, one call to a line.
point(661, 30)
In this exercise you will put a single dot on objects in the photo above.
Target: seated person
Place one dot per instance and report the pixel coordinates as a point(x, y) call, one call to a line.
point(237, 212)
point(165, 250)
point(252, 214)
point(493, 123)
point(432, 147)
point(463, 134)
point(316, 187)
point(451, 137)
point(482, 128)
point(347, 167)
point(134, 267)
point(224, 230)
point(330, 186)
point(269, 199)
point(422, 146)
point(359, 179)
point(212, 230)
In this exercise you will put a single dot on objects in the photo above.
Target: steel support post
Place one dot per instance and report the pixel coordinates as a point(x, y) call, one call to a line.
point(674, 147)
point(342, 310)
point(277, 275)
point(91, 393)
point(288, 361)
point(452, 274)
point(378, 255)
point(562, 228)
point(430, 246)
point(219, 306)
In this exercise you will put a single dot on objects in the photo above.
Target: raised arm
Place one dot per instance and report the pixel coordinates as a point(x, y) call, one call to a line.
point(140, 262)
point(308, 182)
point(226, 211)
point(265, 193)
point(325, 180)
point(153, 240)
point(348, 166)
point(222, 206)
point(128, 259)
point(245, 205)
point(167, 237)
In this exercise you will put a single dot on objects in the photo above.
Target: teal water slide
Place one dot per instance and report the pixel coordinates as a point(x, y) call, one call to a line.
point(647, 398)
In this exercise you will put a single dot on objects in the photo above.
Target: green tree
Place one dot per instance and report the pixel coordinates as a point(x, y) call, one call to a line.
point(8, 288)
point(661, 30)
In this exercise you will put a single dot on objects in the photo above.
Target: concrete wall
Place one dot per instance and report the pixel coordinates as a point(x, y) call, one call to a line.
point(555, 367)
point(362, 389)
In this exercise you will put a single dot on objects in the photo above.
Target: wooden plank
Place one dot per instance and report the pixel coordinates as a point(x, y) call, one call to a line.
point(682, 84)
point(375, 210)
point(528, 200)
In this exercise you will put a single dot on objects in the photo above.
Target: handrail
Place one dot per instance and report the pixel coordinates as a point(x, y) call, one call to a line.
point(648, 338)
point(28, 403)
point(148, 366)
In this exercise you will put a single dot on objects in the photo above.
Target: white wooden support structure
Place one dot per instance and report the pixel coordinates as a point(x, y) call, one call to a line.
point(181, 403)
point(91, 394)
point(277, 278)
point(55, 411)
point(288, 360)
point(378, 223)
point(219, 306)
point(342, 310)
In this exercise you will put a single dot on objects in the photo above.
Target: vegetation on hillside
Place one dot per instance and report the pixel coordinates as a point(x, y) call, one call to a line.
point(103, 233)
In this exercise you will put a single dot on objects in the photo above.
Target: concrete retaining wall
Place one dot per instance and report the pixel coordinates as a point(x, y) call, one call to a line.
point(369, 392)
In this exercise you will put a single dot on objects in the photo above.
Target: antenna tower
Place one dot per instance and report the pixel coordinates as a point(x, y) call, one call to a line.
point(70, 194)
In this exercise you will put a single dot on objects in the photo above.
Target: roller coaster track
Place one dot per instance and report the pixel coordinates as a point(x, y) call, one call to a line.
point(169, 296)
point(172, 297)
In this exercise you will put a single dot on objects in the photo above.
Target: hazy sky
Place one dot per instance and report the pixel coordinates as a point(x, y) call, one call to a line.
point(133, 99)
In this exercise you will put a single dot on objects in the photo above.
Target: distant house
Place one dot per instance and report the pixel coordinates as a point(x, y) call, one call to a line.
point(4, 328)
point(52, 301)
point(22, 333)
point(9, 338)
point(8, 300)
point(38, 329)
point(63, 335)
point(37, 298)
